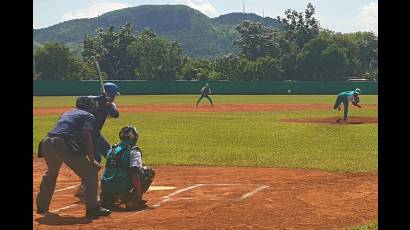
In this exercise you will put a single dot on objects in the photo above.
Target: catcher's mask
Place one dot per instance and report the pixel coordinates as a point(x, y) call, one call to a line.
point(129, 134)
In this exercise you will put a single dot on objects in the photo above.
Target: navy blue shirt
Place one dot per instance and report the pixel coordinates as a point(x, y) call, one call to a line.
point(73, 122)
point(103, 111)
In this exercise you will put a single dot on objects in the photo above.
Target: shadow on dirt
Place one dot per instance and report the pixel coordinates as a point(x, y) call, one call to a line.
point(118, 208)
point(55, 219)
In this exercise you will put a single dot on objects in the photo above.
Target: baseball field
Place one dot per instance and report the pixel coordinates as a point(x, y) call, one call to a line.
point(260, 162)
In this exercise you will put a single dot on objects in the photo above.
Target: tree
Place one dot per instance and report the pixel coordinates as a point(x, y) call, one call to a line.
point(195, 69)
point(268, 68)
point(157, 58)
point(84, 70)
point(333, 63)
point(309, 57)
point(189, 71)
point(226, 68)
point(110, 49)
point(256, 40)
point(361, 50)
point(319, 52)
point(368, 51)
point(54, 61)
point(300, 27)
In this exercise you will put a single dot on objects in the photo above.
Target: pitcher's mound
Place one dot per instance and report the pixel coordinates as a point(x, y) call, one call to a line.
point(336, 120)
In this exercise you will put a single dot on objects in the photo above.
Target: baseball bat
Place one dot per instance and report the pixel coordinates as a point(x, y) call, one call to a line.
point(97, 65)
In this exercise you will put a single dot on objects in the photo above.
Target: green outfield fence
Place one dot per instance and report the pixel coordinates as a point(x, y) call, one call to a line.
point(77, 88)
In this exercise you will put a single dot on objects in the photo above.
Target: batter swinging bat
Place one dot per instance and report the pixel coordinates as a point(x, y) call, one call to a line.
point(97, 65)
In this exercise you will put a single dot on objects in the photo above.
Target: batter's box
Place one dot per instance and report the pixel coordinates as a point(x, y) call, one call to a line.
point(219, 192)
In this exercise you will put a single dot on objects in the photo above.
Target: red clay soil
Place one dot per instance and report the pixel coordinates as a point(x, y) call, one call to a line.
point(226, 198)
point(203, 108)
point(336, 120)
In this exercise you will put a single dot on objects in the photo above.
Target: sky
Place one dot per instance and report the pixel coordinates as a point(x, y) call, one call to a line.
point(338, 15)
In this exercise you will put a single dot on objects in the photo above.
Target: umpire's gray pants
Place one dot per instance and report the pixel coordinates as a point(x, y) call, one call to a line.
point(55, 153)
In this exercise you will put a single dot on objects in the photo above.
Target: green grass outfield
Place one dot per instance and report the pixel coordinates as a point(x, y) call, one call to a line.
point(44, 101)
point(257, 139)
point(370, 226)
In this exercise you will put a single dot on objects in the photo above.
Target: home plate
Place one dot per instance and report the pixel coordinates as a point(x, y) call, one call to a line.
point(154, 188)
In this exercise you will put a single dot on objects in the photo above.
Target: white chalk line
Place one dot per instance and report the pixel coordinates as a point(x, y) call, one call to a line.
point(63, 208)
point(59, 190)
point(168, 198)
point(68, 206)
point(253, 192)
point(223, 184)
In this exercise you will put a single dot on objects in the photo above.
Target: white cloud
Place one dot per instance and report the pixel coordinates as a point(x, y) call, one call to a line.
point(339, 24)
point(97, 8)
point(201, 5)
point(369, 17)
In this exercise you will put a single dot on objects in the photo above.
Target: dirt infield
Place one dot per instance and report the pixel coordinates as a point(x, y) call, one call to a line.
point(336, 120)
point(204, 108)
point(226, 197)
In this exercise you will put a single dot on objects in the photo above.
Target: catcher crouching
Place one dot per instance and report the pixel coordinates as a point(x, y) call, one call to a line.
point(124, 177)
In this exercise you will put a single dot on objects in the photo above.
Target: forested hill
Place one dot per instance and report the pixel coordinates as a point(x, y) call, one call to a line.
point(198, 35)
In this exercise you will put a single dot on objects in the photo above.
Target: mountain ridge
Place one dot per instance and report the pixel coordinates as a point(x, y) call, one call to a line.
point(198, 35)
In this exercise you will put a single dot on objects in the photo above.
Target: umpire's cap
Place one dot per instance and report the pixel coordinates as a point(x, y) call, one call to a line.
point(85, 103)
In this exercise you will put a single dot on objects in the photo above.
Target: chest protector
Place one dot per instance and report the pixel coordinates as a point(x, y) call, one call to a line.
point(118, 162)
point(118, 157)
point(117, 165)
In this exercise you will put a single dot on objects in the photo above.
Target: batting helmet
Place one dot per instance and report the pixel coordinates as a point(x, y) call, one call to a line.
point(111, 89)
point(357, 91)
point(129, 134)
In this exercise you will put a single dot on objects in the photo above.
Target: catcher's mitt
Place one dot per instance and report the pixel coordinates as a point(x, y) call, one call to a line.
point(147, 176)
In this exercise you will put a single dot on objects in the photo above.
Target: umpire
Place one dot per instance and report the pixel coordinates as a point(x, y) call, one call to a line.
point(71, 141)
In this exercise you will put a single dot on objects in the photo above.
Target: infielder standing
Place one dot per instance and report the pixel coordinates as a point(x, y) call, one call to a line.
point(205, 91)
point(345, 97)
